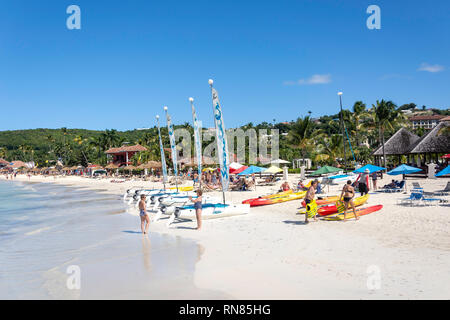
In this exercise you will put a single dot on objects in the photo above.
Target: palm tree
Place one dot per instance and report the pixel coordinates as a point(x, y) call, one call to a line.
point(359, 111)
point(301, 135)
point(331, 148)
point(3, 152)
point(80, 141)
point(385, 114)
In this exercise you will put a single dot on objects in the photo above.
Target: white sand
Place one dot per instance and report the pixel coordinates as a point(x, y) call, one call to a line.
point(271, 254)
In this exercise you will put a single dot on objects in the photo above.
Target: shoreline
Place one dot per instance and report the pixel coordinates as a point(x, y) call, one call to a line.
point(270, 254)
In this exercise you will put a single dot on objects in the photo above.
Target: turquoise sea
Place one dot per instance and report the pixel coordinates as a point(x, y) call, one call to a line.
point(47, 231)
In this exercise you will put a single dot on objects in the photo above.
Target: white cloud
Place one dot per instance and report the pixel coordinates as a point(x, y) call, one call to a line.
point(314, 79)
point(430, 68)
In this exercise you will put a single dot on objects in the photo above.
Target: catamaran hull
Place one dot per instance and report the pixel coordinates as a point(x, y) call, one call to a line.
point(210, 212)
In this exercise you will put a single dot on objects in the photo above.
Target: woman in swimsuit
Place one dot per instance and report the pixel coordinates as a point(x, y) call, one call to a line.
point(348, 193)
point(198, 208)
point(143, 214)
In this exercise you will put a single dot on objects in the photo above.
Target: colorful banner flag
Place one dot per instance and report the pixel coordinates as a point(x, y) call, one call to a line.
point(172, 142)
point(197, 141)
point(163, 157)
point(221, 137)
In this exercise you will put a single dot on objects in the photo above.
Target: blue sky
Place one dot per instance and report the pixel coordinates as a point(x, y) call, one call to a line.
point(269, 59)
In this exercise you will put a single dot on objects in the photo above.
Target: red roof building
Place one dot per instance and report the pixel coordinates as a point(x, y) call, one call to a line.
point(123, 154)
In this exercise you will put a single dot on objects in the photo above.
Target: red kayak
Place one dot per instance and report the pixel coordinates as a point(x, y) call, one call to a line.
point(360, 212)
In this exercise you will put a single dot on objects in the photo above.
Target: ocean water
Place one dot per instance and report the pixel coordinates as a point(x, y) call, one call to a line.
point(47, 231)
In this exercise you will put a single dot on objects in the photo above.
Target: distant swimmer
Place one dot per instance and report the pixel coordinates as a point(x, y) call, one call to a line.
point(143, 214)
point(348, 192)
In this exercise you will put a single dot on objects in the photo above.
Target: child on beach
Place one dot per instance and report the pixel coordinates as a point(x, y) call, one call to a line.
point(198, 208)
point(309, 197)
point(348, 193)
point(145, 220)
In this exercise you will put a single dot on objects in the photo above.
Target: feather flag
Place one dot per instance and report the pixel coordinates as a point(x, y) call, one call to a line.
point(163, 157)
point(197, 141)
point(221, 137)
point(172, 142)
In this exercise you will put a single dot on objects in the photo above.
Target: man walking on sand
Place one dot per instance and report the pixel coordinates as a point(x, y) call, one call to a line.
point(143, 214)
point(309, 197)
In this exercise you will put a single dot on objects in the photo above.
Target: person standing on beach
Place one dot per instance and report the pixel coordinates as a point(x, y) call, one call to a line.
point(363, 180)
point(145, 220)
point(348, 193)
point(198, 208)
point(309, 197)
point(374, 180)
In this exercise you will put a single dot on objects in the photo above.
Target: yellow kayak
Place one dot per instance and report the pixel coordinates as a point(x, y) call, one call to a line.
point(338, 206)
point(187, 188)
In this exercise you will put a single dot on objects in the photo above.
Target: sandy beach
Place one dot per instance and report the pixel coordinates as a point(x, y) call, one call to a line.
point(271, 254)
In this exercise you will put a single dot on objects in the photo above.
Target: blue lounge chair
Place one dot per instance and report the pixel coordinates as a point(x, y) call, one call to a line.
point(414, 197)
point(399, 188)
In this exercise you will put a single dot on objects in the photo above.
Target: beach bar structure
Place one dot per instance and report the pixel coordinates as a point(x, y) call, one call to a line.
point(122, 155)
point(418, 150)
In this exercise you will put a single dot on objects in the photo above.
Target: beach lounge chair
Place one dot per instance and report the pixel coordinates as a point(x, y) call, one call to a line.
point(416, 185)
point(444, 192)
point(399, 188)
point(414, 197)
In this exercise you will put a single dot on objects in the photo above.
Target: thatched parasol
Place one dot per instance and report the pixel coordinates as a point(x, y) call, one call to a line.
point(112, 166)
point(150, 165)
point(129, 168)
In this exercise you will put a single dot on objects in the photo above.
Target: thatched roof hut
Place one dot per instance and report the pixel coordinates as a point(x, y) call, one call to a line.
point(112, 166)
point(150, 165)
point(400, 143)
point(436, 140)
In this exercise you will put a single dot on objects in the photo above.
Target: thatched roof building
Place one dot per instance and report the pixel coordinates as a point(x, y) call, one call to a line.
point(403, 142)
point(435, 141)
point(400, 143)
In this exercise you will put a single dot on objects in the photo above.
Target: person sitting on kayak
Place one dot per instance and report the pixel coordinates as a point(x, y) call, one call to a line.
point(309, 197)
point(347, 194)
point(301, 186)
point(285, 186)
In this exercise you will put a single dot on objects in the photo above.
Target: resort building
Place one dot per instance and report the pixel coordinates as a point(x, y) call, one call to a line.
point(427, 122)
point(122, 155)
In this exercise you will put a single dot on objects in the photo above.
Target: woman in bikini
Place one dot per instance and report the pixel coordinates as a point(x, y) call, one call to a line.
point(348, 193)
point(198, 208)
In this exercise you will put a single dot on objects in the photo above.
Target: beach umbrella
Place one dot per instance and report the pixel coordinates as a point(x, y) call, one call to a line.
point(235, 165)
point(273, 170)
point(403, 169)
point(250, 170)
point(443, 172)
point(279, 161)
point(208, 169)
point(325, 169)
point(371, 168)
point(446, 156)
point(239, 170)
point(112, 166)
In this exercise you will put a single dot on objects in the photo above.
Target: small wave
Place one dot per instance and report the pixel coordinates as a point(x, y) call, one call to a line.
point(37, 231)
